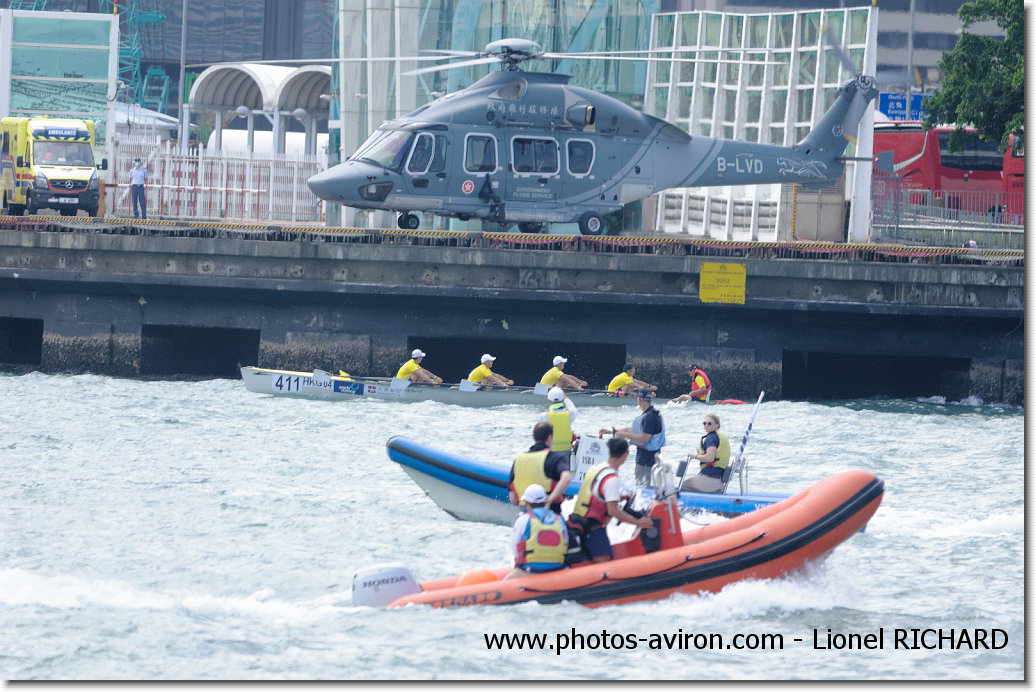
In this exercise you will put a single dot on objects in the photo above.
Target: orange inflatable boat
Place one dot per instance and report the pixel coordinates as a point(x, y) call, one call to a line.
point(762, 544)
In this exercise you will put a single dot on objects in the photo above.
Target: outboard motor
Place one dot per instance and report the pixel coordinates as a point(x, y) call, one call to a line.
point(380, 585)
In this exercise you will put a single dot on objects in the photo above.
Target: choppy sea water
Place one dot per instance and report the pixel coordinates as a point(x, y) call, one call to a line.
point(175, 530)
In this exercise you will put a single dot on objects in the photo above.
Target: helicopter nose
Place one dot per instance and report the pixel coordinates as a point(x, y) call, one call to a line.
point(355, 183)
point(329, 184)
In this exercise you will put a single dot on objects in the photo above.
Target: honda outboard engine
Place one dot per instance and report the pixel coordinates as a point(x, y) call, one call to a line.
point(380, 585)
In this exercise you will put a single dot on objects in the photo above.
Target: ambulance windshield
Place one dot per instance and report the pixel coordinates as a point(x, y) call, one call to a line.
point(62, 153)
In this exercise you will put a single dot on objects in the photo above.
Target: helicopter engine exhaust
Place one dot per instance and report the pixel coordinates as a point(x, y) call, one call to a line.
point(581, 115)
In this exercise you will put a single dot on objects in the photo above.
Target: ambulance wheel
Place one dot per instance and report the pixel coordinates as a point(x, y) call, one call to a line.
point(590, 223)
point(67, 212)
point(530, 227)
point(408, 221)
point(16, 209)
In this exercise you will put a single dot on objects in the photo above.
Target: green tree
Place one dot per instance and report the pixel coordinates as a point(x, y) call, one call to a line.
point(984, 77)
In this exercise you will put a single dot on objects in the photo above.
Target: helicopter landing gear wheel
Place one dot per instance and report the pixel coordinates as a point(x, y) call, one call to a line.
point(590, 223)
point(408, 221)
point(530, 227)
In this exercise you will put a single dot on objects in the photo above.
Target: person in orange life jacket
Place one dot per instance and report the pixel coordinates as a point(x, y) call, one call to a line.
point(561, 414)
point(598, 502)
point(647, 433)
point(700, 385)
point(539, 538)
point(541, 466)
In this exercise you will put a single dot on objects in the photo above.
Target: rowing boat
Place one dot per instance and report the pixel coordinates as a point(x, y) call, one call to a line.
point(323, 385)
point(473, 490)
point(764, 544)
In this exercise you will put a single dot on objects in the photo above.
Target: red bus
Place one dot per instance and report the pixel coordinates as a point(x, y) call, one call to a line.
point(977, 180)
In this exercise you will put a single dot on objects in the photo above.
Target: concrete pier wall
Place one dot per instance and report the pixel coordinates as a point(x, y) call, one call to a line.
point(152, 305)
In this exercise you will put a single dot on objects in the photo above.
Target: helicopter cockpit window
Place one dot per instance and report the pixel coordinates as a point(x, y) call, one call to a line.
point(534, 155)
point(386, 148)
point(480, 154)
point(580, 156)
point(421, 156)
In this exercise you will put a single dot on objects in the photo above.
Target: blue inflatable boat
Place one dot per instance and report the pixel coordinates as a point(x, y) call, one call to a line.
point(474, 490)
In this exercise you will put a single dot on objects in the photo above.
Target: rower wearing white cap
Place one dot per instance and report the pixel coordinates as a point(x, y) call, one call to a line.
point(483, 374)
point(561, 413)
point(412, 370)
point(556, 378)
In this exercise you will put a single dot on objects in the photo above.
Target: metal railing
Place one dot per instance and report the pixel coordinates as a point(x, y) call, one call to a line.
point(948, 218)
point(209, 184)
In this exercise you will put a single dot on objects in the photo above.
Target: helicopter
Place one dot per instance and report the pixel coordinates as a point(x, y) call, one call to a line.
point(528, 148)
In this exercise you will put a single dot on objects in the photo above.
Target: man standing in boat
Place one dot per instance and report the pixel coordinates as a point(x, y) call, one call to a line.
point(625, 383)
point(598, 503)
point(541, 466)
point(412, 370)
point(556, 378)
point(483, 375)
point(561, 414)
point(647, 433)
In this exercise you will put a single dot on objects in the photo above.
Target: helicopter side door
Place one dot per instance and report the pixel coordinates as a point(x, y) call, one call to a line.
point(582, 159)
point(427, 165)
point(534, 171)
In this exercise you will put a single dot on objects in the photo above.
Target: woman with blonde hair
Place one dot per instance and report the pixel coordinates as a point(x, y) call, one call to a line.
point(713, 456)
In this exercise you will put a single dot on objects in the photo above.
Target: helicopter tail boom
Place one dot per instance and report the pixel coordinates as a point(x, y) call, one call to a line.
point(815, 162)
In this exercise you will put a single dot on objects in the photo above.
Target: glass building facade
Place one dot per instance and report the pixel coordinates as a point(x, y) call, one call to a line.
point(58, 63)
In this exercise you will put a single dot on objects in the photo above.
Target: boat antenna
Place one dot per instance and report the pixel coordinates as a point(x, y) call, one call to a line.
point(744, 441)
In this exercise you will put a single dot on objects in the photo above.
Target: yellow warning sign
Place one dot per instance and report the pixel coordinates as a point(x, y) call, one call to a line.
point(722, 283)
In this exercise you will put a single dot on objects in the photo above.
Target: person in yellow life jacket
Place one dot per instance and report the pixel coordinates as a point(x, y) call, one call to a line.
point(625, 383)
point(701, 388)
point(412, 370)
point(541, 466)
point(556, 378)
point(539, 537)
point(713, 457)
point(561, 414)
point(598, 502)
point(484, 375)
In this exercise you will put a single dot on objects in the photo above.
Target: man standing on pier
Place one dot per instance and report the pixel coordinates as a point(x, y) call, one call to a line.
point(138, 183)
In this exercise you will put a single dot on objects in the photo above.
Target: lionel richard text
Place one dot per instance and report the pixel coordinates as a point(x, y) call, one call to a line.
point(911, 638)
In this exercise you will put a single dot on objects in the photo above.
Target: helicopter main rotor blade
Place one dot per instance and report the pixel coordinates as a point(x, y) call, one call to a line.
point(453, 65)
point(455, 53)
point(321, 61)
point(591, 56)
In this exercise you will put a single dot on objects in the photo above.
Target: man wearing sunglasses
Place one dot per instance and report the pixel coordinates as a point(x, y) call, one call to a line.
point(647, 433)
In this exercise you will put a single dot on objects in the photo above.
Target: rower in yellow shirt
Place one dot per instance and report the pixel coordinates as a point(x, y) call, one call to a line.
point(484, 375)
point(624, 382)
point(412, 370)
point(556, 378)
